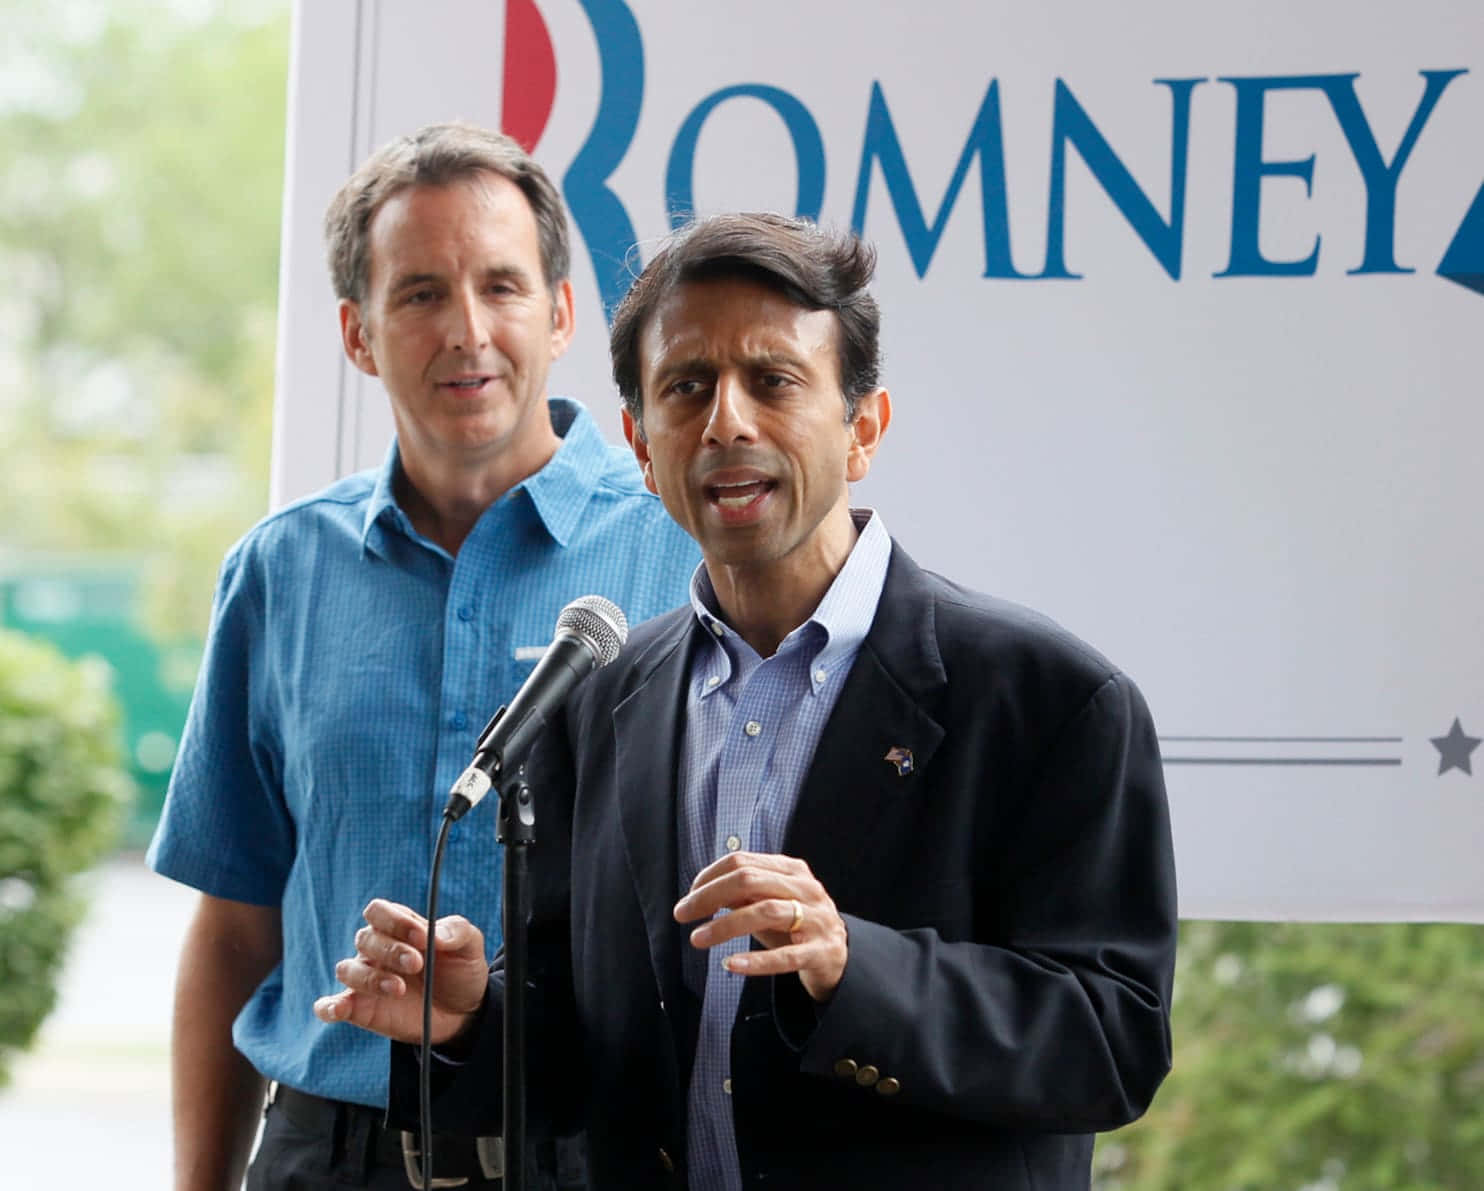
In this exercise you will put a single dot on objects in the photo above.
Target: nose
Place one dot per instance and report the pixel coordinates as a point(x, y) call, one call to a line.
point(731, 417)
point(465, 329)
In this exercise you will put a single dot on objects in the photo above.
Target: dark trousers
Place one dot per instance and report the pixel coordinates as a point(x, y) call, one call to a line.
point(310, 1144)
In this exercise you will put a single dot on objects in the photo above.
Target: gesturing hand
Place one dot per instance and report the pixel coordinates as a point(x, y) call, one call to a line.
point(383, 980)
point(778, 901)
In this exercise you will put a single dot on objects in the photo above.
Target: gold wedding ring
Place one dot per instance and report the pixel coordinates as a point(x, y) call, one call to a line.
point(793, 927)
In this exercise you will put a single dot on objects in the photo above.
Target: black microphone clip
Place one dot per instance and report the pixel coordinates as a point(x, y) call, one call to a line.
point(476, 781)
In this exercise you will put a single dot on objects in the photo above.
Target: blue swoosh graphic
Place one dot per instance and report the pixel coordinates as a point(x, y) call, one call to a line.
point(600, 216)
point(1464, 260)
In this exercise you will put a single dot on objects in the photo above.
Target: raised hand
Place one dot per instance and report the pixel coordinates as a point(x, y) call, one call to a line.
point(384, 984)
point(779, 901)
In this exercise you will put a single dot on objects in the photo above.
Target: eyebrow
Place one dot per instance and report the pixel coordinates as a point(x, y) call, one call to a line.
point(762, 358)
point(412, 281)
point(508, 273)
point(683, 367)
point(768, 358)
point(494, 273)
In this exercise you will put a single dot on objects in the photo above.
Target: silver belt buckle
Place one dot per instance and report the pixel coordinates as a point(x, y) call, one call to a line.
point(412, 1161)
point(491, 1152)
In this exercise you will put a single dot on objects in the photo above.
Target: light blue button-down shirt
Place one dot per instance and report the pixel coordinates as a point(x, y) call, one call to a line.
point(350, 665)
point(751, 728)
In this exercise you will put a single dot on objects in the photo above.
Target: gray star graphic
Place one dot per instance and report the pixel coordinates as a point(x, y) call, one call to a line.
point(1454, 749)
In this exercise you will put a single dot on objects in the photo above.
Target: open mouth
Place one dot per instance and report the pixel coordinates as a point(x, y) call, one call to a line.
point(741, 497)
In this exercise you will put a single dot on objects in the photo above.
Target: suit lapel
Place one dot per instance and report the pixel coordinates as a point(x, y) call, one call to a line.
point(878, 740)
point(647, 727)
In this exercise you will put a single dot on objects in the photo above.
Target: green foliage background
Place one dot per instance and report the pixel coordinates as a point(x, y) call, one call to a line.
point(141, 178)
point(62, 795)
point(1316, 1057)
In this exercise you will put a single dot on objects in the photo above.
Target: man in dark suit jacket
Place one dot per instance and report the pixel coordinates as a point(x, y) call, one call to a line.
point(950, 961)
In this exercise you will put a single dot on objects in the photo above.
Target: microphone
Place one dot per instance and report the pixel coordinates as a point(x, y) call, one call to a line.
point(589, 633)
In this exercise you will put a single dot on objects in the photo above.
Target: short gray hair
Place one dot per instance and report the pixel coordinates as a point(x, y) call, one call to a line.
point(437, 155)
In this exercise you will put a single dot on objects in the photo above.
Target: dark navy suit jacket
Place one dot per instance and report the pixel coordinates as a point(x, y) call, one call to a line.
point(1009, 897)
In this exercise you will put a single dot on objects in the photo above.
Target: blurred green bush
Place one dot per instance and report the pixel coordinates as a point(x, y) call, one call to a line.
point(1316, 1057)
point(63, 794)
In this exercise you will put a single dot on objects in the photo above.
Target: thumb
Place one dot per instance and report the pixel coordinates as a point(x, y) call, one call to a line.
point(457, 936)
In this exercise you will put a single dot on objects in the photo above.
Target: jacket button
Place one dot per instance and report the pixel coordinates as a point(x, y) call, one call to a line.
point(888, 1087)
point(845, 1068)
point(666, 1161)
point(867, 1076)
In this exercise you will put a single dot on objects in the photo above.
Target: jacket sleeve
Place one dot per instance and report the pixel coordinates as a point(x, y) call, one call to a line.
point(1061, 1024)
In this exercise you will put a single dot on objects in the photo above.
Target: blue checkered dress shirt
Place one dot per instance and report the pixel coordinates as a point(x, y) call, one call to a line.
point(350, 665)
point(752, 724)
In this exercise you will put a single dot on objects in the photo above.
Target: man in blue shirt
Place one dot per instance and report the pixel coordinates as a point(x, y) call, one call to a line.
point(848, 877)
point(362, 636)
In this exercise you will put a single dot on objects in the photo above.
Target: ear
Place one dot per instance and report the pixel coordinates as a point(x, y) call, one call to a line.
point(872, 416)
point(563, 318)
point(355, 337)
point(635, 438)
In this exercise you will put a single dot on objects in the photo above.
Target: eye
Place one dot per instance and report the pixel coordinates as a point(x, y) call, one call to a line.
point(420, 297)
point(687, 387)
point(776, 380)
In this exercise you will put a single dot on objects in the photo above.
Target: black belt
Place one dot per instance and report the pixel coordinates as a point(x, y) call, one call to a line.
point(456, 1159)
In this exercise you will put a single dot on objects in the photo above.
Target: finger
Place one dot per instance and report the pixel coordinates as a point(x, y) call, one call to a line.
point(769, 920)
point(391, 1019)
point(795, 957)
point(819, 963)
point(359, 976)
point(733, 861)
point(380, 950)
point(395, 937)
point(744, 887)
point(335, 1007)
point(355, 1008)
point(396, 921)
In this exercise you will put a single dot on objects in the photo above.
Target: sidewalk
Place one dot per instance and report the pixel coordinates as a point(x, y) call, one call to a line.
point(90, 1105)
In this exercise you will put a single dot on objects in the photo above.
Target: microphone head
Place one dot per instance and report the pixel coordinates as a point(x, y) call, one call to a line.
point(599, 622)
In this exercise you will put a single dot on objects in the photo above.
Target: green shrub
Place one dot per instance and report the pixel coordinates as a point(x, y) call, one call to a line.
point(62, 798)
point(1317, 1057)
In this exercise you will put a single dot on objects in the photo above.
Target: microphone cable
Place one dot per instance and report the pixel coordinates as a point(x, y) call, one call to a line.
point(425, 1051)
point(601, 628)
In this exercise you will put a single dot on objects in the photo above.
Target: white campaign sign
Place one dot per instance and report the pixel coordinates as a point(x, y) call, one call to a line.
point(1183, 307)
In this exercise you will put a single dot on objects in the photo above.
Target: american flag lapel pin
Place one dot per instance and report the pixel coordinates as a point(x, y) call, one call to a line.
point(901, 758)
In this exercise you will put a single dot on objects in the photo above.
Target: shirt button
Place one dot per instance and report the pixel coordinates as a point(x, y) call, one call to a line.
point(733, 843)
point(716, 628)
point(466, 613)
point(459, 722)
point(752, 728)
point(726, 1086)
point(820, 675)
point(714, 680)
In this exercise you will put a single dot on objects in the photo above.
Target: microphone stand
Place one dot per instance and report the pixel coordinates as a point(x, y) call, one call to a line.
point(516, 831)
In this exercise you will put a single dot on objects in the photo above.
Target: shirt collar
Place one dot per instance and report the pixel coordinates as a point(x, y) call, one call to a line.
point(842, 618)
point(559, 492)
point(383, 502)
